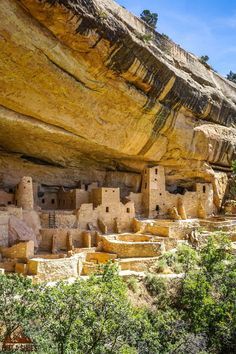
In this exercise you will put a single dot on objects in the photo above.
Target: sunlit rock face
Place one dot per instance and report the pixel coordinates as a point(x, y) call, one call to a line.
point(87, 88)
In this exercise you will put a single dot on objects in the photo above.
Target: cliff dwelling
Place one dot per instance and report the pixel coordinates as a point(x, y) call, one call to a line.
point(57, 232)
point(112, 146)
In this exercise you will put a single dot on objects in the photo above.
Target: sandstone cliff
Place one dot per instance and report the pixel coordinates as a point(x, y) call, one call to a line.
point(86, 87)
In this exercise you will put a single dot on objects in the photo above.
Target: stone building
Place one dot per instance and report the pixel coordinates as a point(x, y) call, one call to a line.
point(107, 208)
point(24, 196)
point(6, 198)
point(61, 198)
point(155, 200)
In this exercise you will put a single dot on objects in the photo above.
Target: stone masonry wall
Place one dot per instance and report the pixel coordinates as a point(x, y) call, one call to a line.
point(4, 218)
point(131, 249)
point(24, 193)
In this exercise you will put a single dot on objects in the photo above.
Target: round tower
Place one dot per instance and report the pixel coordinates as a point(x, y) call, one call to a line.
point(24, 197)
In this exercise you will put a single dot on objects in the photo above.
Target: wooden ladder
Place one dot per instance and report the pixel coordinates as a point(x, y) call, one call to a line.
point(52, 220)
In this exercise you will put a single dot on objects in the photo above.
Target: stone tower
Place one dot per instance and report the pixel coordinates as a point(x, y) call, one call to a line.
point(153, 191)
point(24, 196)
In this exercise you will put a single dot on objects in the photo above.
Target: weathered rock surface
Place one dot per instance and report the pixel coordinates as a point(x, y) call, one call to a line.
point(86, 87)
point(19, 231)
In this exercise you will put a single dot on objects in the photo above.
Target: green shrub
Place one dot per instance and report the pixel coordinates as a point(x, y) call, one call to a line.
point(170, 258)
point(145, 37)
point(187, 256)
point(155, 285)
point(132, 283)
point(161, 265)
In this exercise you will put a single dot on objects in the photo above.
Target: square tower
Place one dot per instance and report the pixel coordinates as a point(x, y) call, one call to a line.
point(102, 196)
point(153, 191)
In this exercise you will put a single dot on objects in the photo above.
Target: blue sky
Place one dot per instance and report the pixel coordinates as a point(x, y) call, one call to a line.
point(199, 26)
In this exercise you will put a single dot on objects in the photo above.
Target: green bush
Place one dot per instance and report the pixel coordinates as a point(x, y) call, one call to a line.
point(132, 284)
point(161, 265)
point(155, 285)
point(196, 314)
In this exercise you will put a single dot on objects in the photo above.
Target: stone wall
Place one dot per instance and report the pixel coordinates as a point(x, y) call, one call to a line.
point(56, 269)
point(133, 238)
point(6, 198)
point(63, 219)
point(24, 193)
point(4, 218)
point(124, 215)
point(166, 228)
point(136, 198)
point(105, 196)
point(22, 250)
point(81, 197)
point(100, 257)
point(131, 249)
point(67, 199)
point(61, 238)
point(49, 201)
point(157, 200)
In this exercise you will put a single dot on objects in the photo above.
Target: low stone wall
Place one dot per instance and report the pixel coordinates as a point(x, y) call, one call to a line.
point(56, 269)
point(223, 224)
point(166, 228)
point(100, 257)
point(137, 265)
point(61, 238)
point(131, 249)
point(133, 238)
point(169, 243)
point(22, 250)
point(8, 266)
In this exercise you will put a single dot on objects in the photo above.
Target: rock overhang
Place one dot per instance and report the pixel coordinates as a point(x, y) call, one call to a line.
point(88, 85)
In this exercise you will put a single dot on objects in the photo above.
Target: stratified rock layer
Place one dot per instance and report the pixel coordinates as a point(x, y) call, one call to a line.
point(86, 87)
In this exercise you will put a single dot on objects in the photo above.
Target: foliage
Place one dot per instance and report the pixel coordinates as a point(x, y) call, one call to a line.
point(132, 284)
point(166, 36)
point(85, 317)
point(204, 59)
point(208, 297)
point(15, 297)
point(149, 17)
point(232, 76)
point(193, 314)
point(145, 37)
point(155, 285)
point(184, 259)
